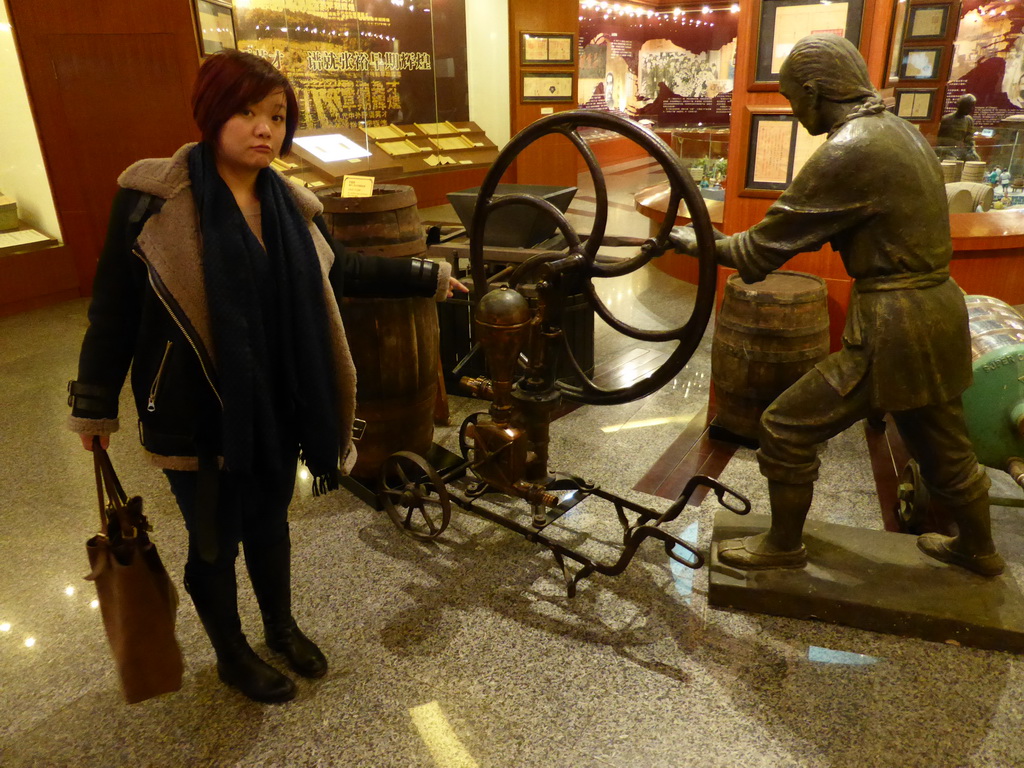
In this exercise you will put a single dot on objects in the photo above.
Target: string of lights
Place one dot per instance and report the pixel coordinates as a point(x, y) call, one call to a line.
point(591, 10)
point(325, 33)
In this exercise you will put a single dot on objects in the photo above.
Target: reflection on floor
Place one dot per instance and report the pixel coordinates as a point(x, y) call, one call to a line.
point(465, 652)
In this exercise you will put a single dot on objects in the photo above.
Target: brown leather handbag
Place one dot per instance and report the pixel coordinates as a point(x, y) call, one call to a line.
point(137, 599)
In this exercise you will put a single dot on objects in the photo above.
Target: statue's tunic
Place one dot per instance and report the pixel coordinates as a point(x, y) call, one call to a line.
point(874, 191)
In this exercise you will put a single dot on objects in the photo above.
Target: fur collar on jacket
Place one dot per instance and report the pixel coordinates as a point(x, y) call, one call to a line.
point(166, 177)
point(170, 244)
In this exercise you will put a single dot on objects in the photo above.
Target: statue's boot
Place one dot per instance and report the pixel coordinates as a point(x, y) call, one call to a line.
point(752, 553)
point(780, 546)
point(972, 548)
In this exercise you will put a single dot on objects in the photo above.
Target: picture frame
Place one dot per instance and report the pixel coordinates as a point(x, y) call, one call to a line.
point(899, 22)
point(547, 86)
point(778, 148)
point(215, 25)
point(783, 22)
point(921, 63)
point(916, 105)
point(546, 48)
point(927, 22)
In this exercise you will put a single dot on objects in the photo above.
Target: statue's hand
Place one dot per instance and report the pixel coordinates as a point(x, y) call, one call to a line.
point(684, 240)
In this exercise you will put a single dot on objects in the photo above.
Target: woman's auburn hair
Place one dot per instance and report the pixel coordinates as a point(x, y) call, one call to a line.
point(230, 81)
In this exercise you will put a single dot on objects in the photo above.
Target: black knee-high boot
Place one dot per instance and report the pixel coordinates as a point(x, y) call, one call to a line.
point(269, 565)
point(214, 593)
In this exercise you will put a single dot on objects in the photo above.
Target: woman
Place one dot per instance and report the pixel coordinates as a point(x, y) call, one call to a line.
point(218, 285)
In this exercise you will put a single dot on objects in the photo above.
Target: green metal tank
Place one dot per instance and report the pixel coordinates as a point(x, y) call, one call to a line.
point(993, 408)
point(994, 403)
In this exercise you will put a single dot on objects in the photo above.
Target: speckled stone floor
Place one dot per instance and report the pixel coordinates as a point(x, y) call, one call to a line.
point(466, 652)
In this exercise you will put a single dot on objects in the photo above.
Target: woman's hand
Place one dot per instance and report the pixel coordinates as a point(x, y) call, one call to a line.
point(87, 441)
point(454, 285)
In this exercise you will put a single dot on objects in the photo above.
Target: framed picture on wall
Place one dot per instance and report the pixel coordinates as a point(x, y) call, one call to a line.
point(920, 64)
point(899, 21)
point(916, 104)
point(783, 22)
point(547, 86)
point(927, 22)
point(543, 48)
point(779, 147)
point(216, 22)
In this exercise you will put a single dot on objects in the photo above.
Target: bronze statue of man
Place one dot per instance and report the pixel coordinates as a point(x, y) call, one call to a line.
point(956, 131)
point(873, 190)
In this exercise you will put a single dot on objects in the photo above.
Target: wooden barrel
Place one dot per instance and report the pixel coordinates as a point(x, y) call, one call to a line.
point(767, 335)
point(394, 342)
point(386, 224)
point(959, 200)
point(981, 195)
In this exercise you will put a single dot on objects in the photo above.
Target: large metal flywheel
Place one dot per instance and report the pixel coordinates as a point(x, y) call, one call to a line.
point(583, 250)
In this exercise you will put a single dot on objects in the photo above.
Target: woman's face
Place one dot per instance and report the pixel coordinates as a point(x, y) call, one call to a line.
point(252, 138)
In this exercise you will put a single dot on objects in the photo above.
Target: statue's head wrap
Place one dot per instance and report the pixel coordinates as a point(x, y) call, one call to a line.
point(835, 67)
point(833, 64)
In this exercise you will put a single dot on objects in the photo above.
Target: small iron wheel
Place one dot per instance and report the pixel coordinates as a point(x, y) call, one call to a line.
point(913, 500)
point(414, 496)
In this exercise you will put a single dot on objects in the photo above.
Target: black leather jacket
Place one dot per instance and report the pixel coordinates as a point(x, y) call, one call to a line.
point(148, 314)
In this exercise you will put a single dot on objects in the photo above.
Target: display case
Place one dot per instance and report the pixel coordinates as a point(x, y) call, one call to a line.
point(375, 76)
point(1002, 150)
point(999, 166)
point(705, 151)
point(390, 151)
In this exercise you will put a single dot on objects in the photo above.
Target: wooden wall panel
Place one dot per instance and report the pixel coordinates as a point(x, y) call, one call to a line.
point(97, 118)
point(36, 279)
point(548, 161)
point(931, 127)
point(432, 188)
point(992, 273)
point(109, 82)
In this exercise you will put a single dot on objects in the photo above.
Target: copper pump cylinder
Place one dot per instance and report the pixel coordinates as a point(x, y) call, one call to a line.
point(502, 323)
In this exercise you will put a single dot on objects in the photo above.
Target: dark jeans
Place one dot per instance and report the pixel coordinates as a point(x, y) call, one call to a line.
point(252, 510)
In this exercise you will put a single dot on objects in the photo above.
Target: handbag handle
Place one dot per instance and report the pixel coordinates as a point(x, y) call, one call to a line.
point(106, 480)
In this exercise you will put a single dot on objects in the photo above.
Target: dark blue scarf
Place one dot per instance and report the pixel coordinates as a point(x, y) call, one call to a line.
point(270, 332)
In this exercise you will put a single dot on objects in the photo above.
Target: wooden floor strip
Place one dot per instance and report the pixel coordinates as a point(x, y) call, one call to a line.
point(610, 365)
point(670, 459)
point(709, 457)
point(692, 453)
point(628, 373)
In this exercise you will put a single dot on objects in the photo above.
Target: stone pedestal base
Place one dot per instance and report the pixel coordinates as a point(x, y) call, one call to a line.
point(872, 580)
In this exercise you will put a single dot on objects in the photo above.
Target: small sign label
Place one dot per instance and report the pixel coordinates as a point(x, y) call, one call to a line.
point(356, 186)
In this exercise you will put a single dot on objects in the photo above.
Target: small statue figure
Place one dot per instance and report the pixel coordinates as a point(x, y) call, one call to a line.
point(956, 132)
point(906, 346)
